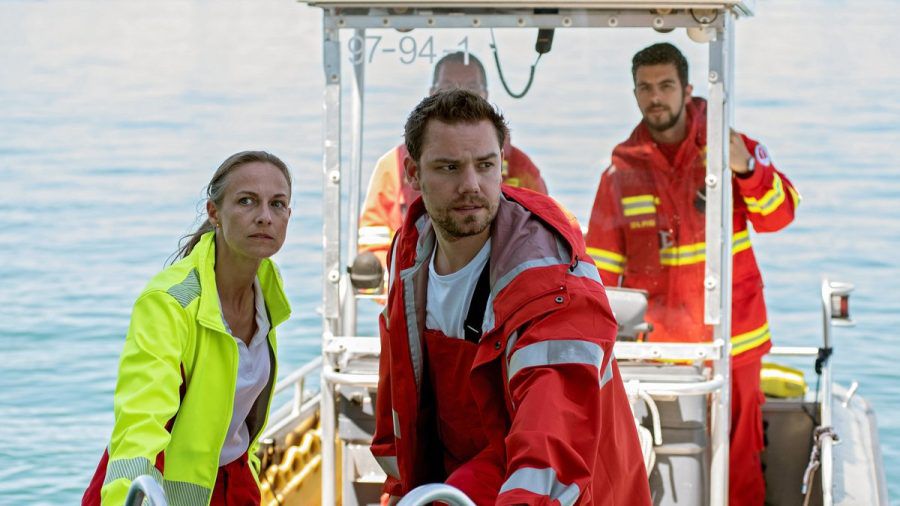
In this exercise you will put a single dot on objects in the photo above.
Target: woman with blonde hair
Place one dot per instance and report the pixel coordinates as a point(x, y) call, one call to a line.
point(198, 369)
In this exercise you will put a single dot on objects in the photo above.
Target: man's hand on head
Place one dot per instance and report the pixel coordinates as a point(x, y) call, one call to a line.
point(739, 155)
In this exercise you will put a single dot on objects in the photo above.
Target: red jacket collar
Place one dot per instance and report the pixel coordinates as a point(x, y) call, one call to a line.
point(543, 207)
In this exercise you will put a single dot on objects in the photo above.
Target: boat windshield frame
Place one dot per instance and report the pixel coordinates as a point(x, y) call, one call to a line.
point(339, 303)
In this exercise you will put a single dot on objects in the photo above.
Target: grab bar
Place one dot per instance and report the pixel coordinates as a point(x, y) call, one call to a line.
point(425, 494)
point(142, 487)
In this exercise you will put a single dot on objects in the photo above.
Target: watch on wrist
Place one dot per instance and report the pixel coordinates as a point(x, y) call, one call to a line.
point(751, 165)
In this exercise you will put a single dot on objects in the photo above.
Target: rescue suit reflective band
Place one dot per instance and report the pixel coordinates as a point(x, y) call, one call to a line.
point(672, 256)
point(543, 482)
point(609, 261)
point(749, 340)
point(557, 352)
point(396, 420)
point(389, 465)
point(675, 256)
point(638, 205)
point(177, 492)
point(772, 199)
point(374, 236)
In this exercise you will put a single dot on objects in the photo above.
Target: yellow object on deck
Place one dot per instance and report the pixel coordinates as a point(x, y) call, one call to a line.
point(295, 476)
point(781, 381)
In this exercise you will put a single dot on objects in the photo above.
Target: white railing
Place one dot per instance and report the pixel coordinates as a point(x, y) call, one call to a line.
point(302, 405)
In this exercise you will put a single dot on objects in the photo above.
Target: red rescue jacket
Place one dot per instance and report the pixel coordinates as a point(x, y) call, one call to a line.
point(647, 230)
point(556, 421)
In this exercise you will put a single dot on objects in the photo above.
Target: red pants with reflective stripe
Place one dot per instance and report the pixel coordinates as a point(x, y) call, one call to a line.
point(747, 486)
point(235, 485)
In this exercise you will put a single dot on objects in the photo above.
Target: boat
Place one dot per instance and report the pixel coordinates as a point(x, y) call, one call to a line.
point(822, 442)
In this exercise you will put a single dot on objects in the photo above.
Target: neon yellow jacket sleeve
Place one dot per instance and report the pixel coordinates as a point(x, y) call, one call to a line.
point(147, 391)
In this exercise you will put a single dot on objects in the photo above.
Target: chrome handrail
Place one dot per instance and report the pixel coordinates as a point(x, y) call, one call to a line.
point(693, 388)
point(145, 487)
point(298, 375)
point(794, 351)
point(338, 378)
point(425, 494)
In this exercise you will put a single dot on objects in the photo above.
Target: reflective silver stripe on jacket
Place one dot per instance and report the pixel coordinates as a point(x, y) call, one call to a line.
point(389, 465)
point(608, 372)
point(188, 290)
point(586, 270)
point(515, 271)
point(412, 324)
point(510, 344)
point(396, 419)
point(582, 269)
point(424, 248)
point(130, 469)
point(392, 269)
point(182, 493)
point(542, 482)
point(565, 351)
point(489, 323)
point(178, 493)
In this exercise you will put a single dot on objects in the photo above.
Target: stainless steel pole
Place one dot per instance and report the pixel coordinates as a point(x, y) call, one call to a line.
point(331, 234)
point(355, 176)
point(717, 282)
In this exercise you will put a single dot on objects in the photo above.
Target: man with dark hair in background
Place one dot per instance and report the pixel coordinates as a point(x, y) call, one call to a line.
point(496, 374)
point(647, 231)
point(389, 195)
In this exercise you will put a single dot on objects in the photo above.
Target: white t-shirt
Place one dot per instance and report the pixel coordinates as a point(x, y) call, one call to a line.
point(253, 374)
point(449, 296)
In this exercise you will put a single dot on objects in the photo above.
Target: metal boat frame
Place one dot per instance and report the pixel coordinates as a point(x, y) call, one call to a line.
point(342, 348)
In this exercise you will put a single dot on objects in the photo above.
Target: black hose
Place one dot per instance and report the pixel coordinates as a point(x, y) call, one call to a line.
point(533, 66)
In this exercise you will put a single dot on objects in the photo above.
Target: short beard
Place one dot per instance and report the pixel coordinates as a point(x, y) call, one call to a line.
point(665, 126)
point(453, 230)
point(668, 124)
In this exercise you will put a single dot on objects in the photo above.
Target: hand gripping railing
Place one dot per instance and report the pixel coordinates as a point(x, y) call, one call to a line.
point(425, 494)
point(145, 487)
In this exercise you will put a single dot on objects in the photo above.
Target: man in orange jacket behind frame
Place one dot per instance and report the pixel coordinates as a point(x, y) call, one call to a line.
point(389, 194)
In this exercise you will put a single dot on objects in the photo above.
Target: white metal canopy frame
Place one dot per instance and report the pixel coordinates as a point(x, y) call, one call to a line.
point(339, 309)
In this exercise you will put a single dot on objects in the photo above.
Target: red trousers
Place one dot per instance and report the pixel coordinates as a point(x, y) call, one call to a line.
point(747, 486)
point(235, 485)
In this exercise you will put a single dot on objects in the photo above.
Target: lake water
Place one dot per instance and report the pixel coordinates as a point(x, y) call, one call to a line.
point(113, 115)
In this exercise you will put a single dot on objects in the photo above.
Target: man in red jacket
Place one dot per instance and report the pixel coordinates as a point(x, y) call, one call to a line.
point(647, 231)
point(389, 195)
point(497, 374)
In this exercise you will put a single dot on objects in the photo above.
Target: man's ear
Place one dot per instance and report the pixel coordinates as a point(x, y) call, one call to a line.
point(688, 91)
point(411, 170)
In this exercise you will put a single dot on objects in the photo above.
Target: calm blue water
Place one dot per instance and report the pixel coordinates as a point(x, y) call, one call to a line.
point(114, 115)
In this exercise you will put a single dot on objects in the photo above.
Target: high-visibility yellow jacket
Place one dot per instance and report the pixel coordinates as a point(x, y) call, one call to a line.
point(174, 396)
